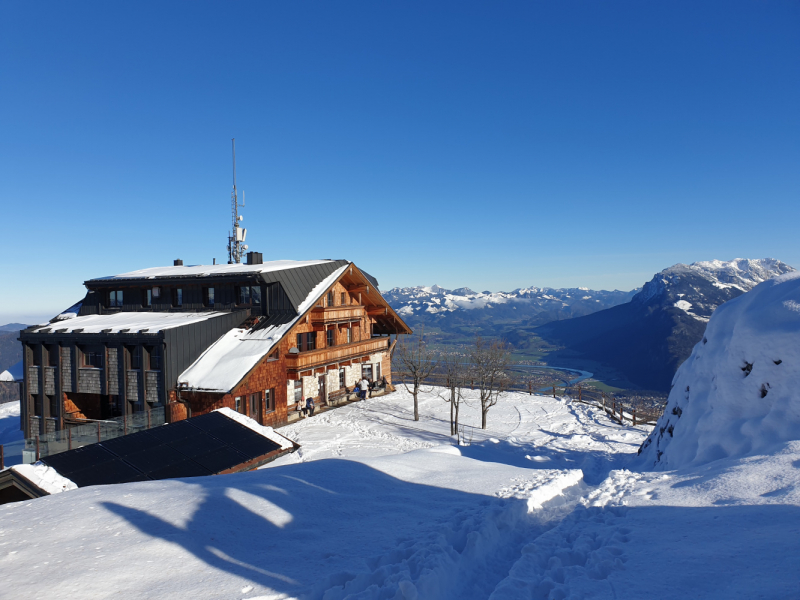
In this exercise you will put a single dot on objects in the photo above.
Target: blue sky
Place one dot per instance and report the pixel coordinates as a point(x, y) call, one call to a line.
point(492, 145)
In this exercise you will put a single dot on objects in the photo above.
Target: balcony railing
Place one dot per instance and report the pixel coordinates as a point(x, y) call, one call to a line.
point(336, 314)
point(333, 354)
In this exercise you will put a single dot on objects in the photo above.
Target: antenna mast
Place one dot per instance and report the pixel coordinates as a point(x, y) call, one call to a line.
point(237, 236)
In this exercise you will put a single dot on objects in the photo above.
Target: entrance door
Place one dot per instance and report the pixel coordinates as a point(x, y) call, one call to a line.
point(323, 393)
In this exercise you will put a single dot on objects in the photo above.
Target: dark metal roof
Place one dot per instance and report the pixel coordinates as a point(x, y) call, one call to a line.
point(299, 282)
point(203, 445)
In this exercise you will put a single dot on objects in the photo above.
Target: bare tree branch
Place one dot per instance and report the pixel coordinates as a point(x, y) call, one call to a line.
point(489, 367)
point(416, 365)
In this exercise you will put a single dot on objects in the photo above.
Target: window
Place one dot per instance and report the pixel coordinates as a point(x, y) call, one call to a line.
point(37, 356)
point(331, 341)
point(92, 358)
point(208, 296)
point(377, 371)
point(330, 298)
point(114, 299)
point(147, 298)
point(239, 404)
point(343, 298)
point(255, 406)
point(177, 297)
point(136, 357)
point(269, 400)
point(349, 334)
point(155, 358)
point(274, 355)
point(341, 378)
point(156, 292)
point(366, 371)
point(248, 294)
point(307, 341)
point(298, 390)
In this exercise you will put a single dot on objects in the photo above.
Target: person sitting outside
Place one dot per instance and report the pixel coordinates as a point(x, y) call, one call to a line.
point(364, 384)
point(310, 406)
point(301, 408)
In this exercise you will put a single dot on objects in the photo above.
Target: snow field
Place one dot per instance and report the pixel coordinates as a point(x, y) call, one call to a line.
point(542, 505)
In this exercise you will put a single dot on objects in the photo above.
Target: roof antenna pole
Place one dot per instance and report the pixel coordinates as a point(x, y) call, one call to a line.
point(237, 236)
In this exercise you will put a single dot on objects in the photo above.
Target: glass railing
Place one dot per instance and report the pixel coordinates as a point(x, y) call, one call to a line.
point(90, 433)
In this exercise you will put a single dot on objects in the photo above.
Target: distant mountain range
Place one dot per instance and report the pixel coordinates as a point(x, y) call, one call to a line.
point(648, 338)
point(490, 313)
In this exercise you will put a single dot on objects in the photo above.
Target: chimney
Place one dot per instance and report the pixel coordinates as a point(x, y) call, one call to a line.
point(254, 258)
point(177, 262)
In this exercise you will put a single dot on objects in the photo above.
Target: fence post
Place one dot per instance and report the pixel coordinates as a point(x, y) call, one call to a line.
point(634, 417)
point(554, 391)
point(148, 419)
point(69, 438)
point(530, 388)
point(37, 447)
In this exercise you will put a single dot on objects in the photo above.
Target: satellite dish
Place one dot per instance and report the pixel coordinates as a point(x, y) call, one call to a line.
point(245, 247)
point(241, 217)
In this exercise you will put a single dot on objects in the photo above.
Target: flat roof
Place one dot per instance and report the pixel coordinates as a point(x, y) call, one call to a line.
point(148, 322)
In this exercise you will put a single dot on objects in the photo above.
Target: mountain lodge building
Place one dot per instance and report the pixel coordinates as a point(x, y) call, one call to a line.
point(167, 343)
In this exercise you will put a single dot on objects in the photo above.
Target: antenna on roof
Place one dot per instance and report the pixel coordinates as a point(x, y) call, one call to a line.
point(238, 234)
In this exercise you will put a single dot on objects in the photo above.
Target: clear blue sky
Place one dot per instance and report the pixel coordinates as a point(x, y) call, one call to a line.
point(493, 145)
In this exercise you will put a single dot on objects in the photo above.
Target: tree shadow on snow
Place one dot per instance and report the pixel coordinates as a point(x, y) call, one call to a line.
point(284, 528)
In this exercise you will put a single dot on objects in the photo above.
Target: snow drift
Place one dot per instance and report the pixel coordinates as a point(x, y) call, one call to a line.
point(739, 392)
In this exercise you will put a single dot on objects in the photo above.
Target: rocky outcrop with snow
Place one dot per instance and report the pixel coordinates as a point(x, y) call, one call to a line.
point(738, 393)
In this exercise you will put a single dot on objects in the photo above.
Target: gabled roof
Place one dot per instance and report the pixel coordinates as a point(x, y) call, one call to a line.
point(228, 360)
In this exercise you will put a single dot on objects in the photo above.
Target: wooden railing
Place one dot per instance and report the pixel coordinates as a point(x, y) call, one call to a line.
point(336, 314)
point(334, 354)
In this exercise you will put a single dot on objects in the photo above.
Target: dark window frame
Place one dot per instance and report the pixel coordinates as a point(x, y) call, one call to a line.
point(114, 298)
point(91, 359)
point(209, 299)
point(156, 355)
point(311, 341)
point(330, 338)
point(147, 298)
point(254, 405)
point(269, 400)
point(177, 297)
point(330, 298)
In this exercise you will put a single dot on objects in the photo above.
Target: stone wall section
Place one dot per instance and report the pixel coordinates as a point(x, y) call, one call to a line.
point(66, 369)
point(132, 393)
point(89, 381)
point(151, 386)
point(33, 380)
point(50, 380)
point(113, 371)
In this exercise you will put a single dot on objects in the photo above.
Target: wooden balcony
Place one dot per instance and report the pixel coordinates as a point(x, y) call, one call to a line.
point(330, 315)
point(322, 357)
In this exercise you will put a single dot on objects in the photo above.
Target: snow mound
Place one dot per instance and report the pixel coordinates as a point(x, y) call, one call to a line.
point(738, 393)
point(45, 478)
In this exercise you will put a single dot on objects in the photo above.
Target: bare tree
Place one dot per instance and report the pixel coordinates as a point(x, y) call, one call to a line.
point(490, 365)
point(454, 370)
point(416, 365)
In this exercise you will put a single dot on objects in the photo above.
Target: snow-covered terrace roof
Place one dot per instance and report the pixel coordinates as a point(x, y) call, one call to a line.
point(210, 270)
point(226, 362)
point(149, 322)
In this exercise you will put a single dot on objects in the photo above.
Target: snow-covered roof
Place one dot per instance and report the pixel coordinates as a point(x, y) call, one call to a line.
point(230, 358)
point(212, 270)
point(150, 322)
point(13, 373)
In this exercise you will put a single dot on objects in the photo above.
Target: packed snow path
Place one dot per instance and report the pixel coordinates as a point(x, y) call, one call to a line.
point(376, 505)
